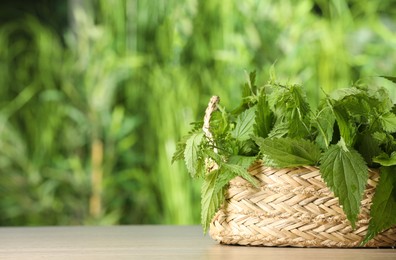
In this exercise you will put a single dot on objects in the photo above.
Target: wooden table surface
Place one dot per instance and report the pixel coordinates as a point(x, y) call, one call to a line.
point(152, 242)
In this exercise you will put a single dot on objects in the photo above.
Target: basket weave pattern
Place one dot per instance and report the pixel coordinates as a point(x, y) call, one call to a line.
point(292, 207)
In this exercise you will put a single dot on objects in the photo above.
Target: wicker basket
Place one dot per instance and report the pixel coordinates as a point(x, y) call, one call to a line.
point(292, 207)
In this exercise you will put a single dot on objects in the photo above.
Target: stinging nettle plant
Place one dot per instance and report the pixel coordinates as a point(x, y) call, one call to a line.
point(352, 130)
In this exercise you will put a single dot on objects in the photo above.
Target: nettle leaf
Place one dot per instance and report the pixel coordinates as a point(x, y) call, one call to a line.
point(297, 125)
point(287, 152)
point(247, 148)
point(212, 196)
point(300, 99)
point(181, 145)
point(280, 129)
point(386, 160)
point(393, 79)
point(359, 102)
point(243, 161)
point(324, 121)
point(179, 153)
point(244, 125)
point(239, 165)
point(383, 209)
point(246, 92)
point(219, 159)
point(340, 94)
point(219, 122)
point(216, 183)
point(347, 128)
point(388, 122)
point(191, 152)
point(369, 147)
point(386, 140)
point(249, 90)
point(252, 82)
point(346, 174)
point(284, 99)
point(264, 117)
point(381, 98)
point(299, 112)
point(291, 109)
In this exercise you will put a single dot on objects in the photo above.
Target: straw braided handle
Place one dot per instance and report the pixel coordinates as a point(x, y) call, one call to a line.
point(212, 106)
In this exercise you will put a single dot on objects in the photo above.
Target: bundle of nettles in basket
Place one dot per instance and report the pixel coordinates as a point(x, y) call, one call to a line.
point(352, 129)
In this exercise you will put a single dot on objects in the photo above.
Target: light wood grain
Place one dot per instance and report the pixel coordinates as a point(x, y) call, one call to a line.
point(152, 242)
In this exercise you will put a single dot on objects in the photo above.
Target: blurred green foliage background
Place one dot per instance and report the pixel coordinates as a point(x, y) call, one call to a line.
point(95, 94)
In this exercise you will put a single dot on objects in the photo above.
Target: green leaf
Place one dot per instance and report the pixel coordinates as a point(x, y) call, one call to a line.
point(279, 130)
point(239, 165)
point(216, 182)
point(264, 117)
point(386, 160)
point(249, 90)
point(388, 122)
point(383, 209)
point(179, 153)
point(369, 147)
point(212, 195)
point(324, 122)
point(346, 174)
point(181, 145)
point(247, 148)
point(244, 125)
point(243, 161)
point(393, 79)
point(386, 141)
point(346, 126)
point(252, 82)
point(219, 122)
point(288, 99)
point(287, 152)
point(191, 152)
point(291, 110)
point(340, 94)
point(381, 99)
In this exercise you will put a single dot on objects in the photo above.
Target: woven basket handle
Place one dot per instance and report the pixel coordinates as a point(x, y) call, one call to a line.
point(212, 106)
